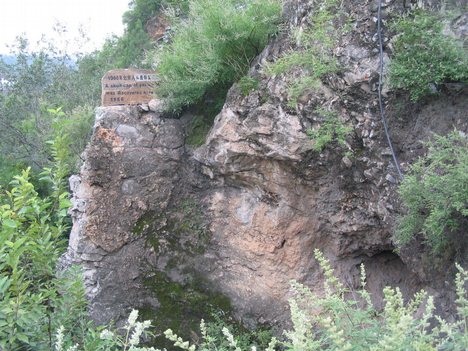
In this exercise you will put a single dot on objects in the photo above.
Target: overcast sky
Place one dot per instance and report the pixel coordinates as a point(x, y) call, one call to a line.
point(99, 18)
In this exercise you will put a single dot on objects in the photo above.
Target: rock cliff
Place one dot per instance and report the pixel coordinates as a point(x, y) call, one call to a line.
point(231, 223)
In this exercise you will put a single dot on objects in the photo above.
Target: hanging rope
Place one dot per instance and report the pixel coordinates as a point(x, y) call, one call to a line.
point(379, 89)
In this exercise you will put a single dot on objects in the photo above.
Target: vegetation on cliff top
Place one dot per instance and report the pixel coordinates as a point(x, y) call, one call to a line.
point(213, 48)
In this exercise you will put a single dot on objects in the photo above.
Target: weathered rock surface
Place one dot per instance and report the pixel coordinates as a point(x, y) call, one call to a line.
point(244, 212)
point(131, 168)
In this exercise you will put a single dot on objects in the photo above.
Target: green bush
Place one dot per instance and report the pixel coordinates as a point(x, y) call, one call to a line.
point(34, 298)
point(31, 239)
point(38, 81)
point(332, 321)
point(213, 48)
point(424, 55)
point(435, 194)
point(74, 130)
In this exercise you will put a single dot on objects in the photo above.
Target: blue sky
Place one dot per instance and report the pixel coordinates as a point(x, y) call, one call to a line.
point(34, 18)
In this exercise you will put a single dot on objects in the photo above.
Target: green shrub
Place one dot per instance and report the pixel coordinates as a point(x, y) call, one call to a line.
point(332, 321)
point(34, 299)
point(301, 86)
point(314, 52)
point(214, 47)
point(38, 81)
point(435, 194)
point(31, 239)
point(74, 130)
point(331, 129)
point(424, 55)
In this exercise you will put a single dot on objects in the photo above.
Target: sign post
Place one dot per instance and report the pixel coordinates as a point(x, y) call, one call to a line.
point(128, 87)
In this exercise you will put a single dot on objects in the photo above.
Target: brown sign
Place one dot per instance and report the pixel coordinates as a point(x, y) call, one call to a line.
point(127, 87)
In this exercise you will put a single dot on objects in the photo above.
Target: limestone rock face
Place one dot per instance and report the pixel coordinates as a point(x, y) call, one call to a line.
point(242, 214)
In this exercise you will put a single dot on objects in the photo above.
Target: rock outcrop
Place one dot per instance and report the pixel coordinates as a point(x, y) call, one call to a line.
point(240, 216)
point(131, 169)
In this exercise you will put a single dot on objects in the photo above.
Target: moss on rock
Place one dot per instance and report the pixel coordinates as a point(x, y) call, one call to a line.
point(182, 306)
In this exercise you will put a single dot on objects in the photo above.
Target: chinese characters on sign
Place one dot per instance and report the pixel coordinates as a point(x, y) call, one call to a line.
point(127, 87)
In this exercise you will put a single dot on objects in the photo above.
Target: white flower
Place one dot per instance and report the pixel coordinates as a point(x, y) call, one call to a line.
point(59, 337)
point(106, 335)
point(132, 318)
point(139, 329)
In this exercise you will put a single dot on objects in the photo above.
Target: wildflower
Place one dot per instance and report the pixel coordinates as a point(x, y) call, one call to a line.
point(106, 335)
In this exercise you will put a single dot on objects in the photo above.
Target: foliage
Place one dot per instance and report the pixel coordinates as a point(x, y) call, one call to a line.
point(133, 331)
point(31, 240)
point(333, 322)
point(424, 55)
point(214, 47)
point(9, 167)
point(132, 48)
point(248, 84)
point(435, 193)
point(331, 129)
point(214, 336)
point(221, 333)
point(314, 50)
point(38, 83)
point(72, 130)
point(210, 342)
point(50, 78)
point(299, 87)
point(126, 338)
point(35, 299)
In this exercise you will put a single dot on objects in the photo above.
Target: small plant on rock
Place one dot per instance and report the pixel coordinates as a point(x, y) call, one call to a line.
point(248, 84)
point(314, 51)
point(329, 130)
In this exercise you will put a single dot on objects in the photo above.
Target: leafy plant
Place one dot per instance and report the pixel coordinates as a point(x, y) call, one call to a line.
point(213, 48)
point(331, 321)
point(435, 194)
point(209, 342)
point(32, 237)
point(424, 55)
point(38, 83)
point(330, 129)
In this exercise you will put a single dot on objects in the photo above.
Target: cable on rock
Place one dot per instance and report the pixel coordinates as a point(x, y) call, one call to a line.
point(379, 89)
